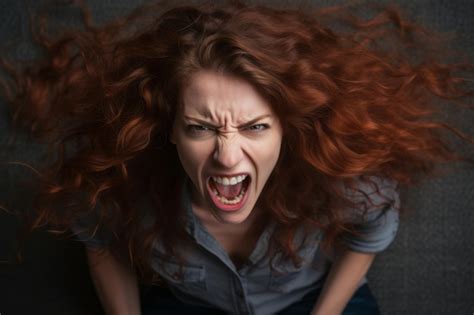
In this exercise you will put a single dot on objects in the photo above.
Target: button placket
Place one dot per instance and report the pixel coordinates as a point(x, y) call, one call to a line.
point(239, 289)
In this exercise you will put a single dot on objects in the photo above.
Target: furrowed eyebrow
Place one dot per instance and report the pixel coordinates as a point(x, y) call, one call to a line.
point(244, 125)
point(253, 121)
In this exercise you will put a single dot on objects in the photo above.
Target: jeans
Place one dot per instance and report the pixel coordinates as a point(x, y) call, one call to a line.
point(361, 303)
point(157, 301)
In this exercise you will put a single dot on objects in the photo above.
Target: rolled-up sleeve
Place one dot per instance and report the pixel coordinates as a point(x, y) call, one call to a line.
point(378, 226)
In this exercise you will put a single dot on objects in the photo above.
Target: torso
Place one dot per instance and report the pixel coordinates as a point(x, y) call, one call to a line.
point(238, 240)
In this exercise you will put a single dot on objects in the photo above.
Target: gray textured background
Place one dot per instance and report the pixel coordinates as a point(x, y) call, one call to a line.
point(429, 269)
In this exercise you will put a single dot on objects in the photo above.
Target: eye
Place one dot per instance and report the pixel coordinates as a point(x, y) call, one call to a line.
point(258, 127)
point(197, 129)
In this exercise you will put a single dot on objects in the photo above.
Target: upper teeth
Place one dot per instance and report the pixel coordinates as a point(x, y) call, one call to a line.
point(229, 180)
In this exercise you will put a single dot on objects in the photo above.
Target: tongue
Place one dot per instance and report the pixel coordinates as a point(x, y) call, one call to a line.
point(229, 191)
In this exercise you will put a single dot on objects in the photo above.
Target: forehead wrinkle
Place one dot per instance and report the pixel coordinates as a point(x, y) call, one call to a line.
point(199, 109)
point(222, 108)
point(219, 114)
point(214, 104)
point(241, 122)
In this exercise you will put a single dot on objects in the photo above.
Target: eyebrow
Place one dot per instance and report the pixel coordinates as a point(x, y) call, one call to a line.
point(244, 125)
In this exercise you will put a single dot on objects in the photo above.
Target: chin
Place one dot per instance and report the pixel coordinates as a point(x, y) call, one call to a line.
point(232, 217)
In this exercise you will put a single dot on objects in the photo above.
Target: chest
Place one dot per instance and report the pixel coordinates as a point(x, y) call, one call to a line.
point(237, 241)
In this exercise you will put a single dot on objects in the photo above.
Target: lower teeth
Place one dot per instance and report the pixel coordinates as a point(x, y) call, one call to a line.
point(230, 202)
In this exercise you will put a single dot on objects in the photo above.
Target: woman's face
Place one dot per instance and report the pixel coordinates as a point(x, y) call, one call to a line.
point(228, 140)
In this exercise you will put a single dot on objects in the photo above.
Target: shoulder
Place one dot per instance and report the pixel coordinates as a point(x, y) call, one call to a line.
point(370, 187)
point(372, 194)
point(375, 216)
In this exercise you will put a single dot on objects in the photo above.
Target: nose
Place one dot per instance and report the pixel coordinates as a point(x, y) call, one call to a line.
point(228, 152)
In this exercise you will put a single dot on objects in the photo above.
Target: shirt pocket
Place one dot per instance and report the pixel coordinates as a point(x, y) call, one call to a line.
point(188, 278)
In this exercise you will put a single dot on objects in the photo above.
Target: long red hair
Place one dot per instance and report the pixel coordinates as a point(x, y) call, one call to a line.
point(355, 103)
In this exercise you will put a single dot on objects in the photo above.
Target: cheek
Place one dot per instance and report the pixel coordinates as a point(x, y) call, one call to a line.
point(268, 153)
point(272, 150)
point(271, 161)
point(192, 156)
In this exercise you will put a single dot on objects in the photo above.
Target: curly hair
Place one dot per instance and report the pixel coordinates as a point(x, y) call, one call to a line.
point(354, 103)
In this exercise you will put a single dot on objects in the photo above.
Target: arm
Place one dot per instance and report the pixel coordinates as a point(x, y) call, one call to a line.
point(376, 230)
point(347, 270)
point(115, 283)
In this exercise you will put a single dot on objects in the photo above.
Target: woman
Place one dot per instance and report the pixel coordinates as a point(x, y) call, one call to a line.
point(244, 158)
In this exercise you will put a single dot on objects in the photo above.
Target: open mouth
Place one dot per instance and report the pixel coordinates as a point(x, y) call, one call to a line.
point(229, 193)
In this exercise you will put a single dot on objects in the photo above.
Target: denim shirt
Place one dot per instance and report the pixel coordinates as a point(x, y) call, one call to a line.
point(210, 278)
